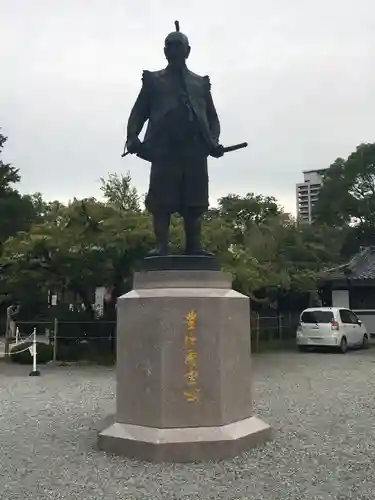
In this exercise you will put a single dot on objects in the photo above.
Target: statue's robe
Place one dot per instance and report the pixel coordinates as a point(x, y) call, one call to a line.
point(183, 128)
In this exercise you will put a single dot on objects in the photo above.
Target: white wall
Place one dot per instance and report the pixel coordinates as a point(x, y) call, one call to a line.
point(340, 298)
point(312, 176)
point(368, 320)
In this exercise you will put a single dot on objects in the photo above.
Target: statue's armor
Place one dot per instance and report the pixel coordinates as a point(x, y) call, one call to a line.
point(180, 100)
point(182, 130)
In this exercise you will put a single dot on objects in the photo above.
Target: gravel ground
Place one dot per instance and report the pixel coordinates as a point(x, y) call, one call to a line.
point(322, 407)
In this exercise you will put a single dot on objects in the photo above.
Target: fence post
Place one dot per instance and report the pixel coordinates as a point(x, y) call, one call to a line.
point(290, 325)
point(34, 372)
point(280, 327)
point(257, 326)
point(6, 340)
point(55, 327)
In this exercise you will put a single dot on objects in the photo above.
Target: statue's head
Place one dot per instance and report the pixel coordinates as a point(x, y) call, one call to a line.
point(176, 47)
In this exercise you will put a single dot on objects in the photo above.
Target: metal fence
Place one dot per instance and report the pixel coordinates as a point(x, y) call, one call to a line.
point(72, 340)
point(75, 340)
point(277, 330)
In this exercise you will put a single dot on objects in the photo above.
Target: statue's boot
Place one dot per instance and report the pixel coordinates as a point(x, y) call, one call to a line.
point(161, 223)
point(158, 251)
point(193, 229)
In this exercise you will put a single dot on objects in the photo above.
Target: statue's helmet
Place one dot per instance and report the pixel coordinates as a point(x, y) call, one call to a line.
point(177, 37)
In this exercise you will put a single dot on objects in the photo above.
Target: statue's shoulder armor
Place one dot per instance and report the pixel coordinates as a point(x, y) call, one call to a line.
point(150, 76)
point(146, 77)
point(203, 80)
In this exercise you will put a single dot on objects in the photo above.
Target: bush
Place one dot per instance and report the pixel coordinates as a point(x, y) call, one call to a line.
point(68, 351)
point(44, 353)
point(90, 351)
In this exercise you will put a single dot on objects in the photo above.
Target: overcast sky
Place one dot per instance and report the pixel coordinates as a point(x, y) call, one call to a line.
point(294, 78)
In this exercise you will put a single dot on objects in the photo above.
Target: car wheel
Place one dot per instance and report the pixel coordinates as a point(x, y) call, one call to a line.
point(365, 344)
point(343, 345)
point(302, 348)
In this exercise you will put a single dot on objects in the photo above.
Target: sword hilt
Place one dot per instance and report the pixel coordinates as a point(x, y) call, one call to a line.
point(228, 149)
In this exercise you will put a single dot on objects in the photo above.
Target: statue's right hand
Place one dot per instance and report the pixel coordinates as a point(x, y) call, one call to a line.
point(133, 145)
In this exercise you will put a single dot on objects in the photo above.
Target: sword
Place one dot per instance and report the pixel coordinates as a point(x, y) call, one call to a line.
point(227, 149)
point(242, 145)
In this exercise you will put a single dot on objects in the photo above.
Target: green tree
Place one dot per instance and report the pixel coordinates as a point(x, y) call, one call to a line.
point(348, 191)
point(84, 245)
point(44, 209)
point(90, 243)
point(243, 212)
point(16, 211)
point(280, 255)
point(347, 198)
point(119, 192)
point(266, 250)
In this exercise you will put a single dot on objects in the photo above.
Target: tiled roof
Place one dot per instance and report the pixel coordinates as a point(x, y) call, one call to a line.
point(360, 267)
point(365, 268)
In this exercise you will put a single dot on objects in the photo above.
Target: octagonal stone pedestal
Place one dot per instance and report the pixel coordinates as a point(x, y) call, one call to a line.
point(183, 370)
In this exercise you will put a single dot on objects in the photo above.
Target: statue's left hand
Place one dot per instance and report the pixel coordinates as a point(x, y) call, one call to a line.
point(217, 151)
point(134, 145)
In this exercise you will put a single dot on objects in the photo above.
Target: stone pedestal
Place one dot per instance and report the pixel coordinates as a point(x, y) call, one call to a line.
point(183, 368)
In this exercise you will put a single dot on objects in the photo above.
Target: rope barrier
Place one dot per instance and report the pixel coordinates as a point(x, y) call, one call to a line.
point(32, 349)
point(19, 336)
point(22, 341)
point(15, 352)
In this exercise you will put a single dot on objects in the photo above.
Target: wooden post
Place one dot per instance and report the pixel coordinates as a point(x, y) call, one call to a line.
point(7, 347)
point(280, 327)
point(55, 327)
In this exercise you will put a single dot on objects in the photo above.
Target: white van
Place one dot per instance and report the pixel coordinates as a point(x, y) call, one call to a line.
point(331, 327)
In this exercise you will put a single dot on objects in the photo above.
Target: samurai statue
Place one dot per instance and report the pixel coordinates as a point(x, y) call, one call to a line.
point(183, 130)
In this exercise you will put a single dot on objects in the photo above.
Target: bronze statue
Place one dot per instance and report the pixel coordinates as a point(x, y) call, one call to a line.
point(183, 130)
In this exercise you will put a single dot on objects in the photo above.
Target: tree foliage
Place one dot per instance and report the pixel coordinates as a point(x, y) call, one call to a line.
point(347, 198)
point(16, 211)
point(89, 243)
point(78, 246)
point(86, 244)
point(348, 192)
point(119, 192)
point(240, 213)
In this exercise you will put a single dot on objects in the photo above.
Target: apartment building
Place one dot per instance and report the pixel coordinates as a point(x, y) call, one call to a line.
point(307, 193)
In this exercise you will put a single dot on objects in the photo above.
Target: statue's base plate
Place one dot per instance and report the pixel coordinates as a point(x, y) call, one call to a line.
point(191, 444)
point(181, 263)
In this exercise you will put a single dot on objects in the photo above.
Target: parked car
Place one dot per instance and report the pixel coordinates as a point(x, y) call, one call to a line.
point(330, 327)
